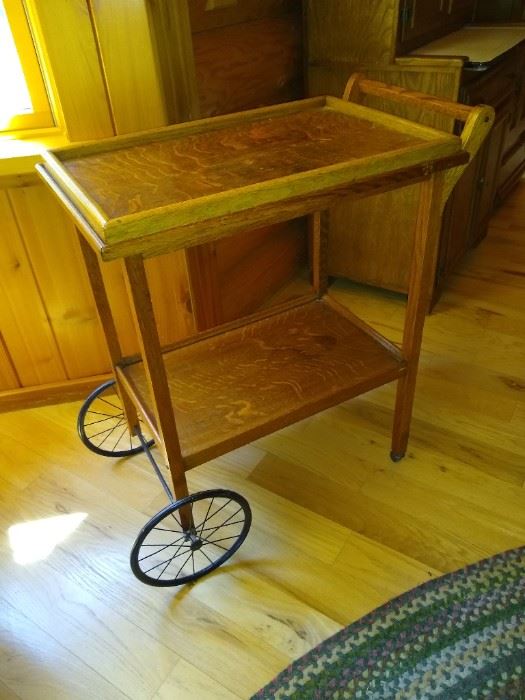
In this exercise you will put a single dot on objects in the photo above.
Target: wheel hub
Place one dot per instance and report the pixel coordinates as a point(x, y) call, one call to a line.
point(195, 541)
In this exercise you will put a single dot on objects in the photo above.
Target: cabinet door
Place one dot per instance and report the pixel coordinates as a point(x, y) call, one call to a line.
point(460, 11)
point(420, 20)
point(488, 179)
point(516, 74)
point(456, 239)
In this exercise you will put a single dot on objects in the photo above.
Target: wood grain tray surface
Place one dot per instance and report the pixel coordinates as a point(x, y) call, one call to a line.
point(232, 388)
point(205, 172)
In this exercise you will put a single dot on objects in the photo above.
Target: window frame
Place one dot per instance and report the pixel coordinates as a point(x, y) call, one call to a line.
point(41, 116)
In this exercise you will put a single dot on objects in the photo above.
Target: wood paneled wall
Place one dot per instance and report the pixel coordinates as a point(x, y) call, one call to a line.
point(116, 67)
point(99, 60)
point(248, 53)
point(238, 47)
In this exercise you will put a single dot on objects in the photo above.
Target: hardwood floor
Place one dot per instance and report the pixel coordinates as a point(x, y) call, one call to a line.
point(338, 529)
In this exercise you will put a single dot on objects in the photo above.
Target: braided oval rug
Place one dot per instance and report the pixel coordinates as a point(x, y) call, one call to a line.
point(457, 637)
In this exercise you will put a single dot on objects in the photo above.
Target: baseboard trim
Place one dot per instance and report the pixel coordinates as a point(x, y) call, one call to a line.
point(60, 392)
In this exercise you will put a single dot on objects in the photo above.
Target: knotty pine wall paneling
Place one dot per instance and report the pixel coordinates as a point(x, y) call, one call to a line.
point(8, 378)
point(62, 281)
point(71, 61)
point(26, 330)
point(128, 63)
point(99, 63)
point(137, 103)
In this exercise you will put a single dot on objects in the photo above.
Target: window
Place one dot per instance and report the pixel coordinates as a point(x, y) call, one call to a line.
point(23, 98)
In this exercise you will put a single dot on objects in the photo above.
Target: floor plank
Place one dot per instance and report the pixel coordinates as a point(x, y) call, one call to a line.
point(34, 665)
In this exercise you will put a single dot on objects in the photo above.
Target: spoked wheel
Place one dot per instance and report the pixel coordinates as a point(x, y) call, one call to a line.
point(165, 554)
point(102, 425)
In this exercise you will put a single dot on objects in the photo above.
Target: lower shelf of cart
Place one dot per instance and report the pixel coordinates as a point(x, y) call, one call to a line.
point(236, 386)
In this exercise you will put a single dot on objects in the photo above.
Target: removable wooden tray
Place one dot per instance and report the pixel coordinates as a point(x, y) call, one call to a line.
point(186, 184)
point(238, 385)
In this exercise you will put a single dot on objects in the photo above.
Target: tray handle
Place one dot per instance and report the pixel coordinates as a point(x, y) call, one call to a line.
point(477, 120)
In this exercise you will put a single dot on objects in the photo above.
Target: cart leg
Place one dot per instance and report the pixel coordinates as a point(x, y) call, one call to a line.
point(318, 250)
point(420, 288)
point(144, 317)
point(108, 326)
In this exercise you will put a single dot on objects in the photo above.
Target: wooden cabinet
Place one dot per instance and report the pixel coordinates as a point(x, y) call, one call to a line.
point(367, 245)
point(498, 166)
point(421, 21)
point(500, 10)
point(512, 163)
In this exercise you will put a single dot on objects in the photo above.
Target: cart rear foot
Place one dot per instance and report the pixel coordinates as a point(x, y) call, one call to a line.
point(166, 554)
point(102, 425)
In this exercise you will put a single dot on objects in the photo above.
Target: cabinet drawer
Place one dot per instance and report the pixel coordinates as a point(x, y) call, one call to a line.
point(496, 88)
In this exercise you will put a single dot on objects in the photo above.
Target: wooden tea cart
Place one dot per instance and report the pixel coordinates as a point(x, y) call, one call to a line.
point(147, 194)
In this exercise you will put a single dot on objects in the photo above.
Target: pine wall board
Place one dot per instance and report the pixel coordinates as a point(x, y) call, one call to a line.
point(54, 254)
point(26, 330)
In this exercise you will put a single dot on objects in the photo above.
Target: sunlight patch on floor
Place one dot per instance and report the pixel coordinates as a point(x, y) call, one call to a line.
point(35, 540)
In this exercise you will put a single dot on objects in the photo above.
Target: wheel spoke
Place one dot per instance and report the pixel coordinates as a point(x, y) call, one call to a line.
point(158, 544)
point(217, 511)
point(178, 553)
point(177, 521)
point(216, 545)
point(182, 567)
point(218, 527)
point(101, 420)
point(112, 431)
point(105, 431)
point(118, 408)
point(207, 513)
point(164, 569)
point(224, 524)
point(222, 539)
point(162, 548)
point(207, 557)
point(121, 436)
